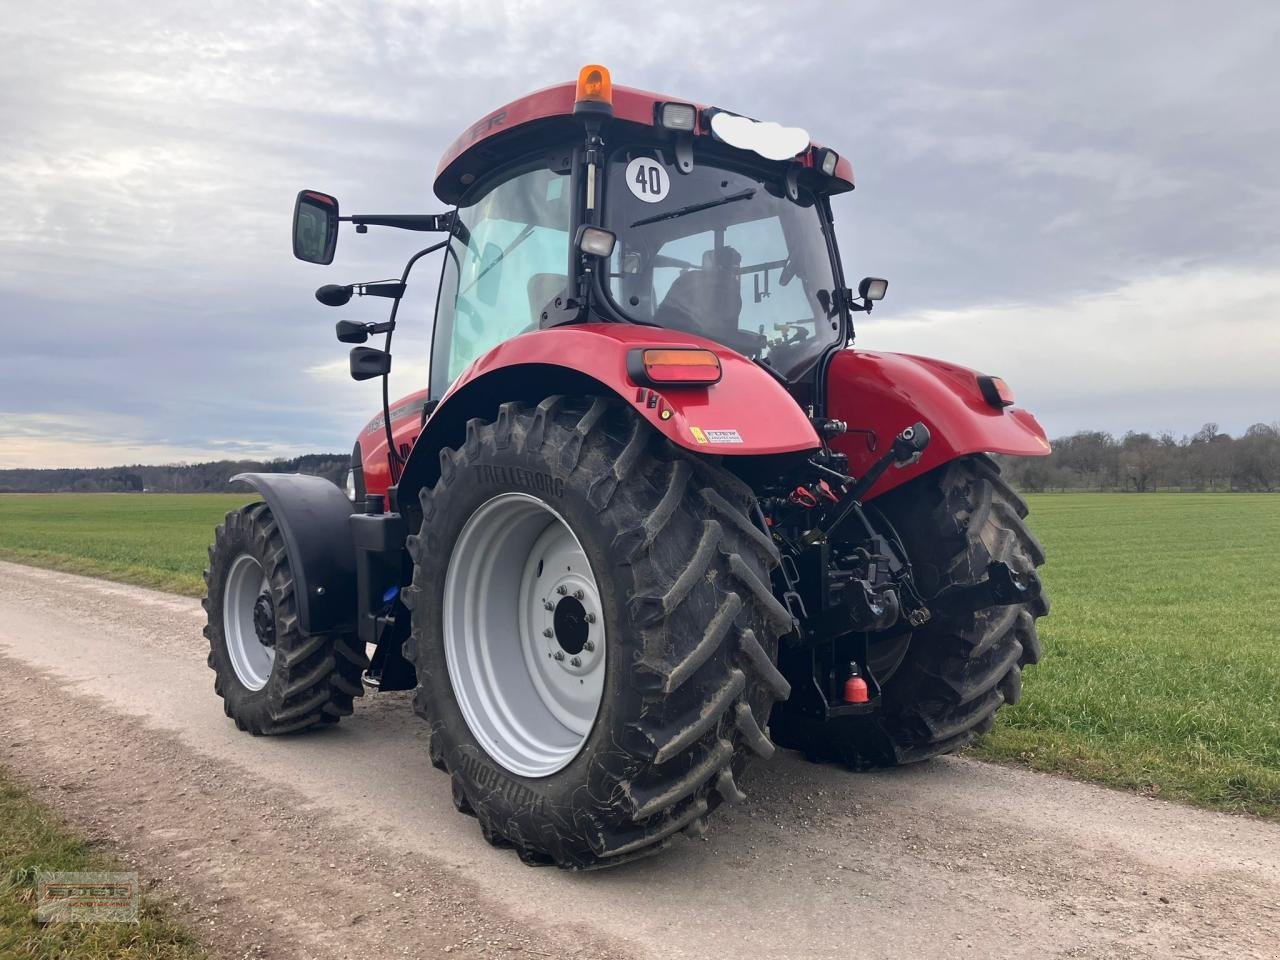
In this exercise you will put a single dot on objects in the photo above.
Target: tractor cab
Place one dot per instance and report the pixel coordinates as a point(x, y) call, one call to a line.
point(593, 202)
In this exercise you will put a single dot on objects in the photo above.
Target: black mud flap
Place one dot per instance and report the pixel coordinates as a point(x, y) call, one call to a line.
point(312, 514)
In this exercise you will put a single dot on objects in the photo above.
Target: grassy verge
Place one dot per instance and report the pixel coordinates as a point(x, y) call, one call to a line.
point(32, 839)
point(151, 540)
point(1162, 653)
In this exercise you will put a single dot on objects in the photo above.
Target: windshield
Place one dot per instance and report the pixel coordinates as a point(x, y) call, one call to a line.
point(497, 282)
point(721, 253)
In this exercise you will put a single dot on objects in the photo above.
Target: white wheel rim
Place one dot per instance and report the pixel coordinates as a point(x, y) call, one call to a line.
point(250, 657)
point(524, 636)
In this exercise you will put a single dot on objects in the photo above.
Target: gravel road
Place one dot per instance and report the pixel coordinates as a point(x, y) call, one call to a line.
point(344, 842)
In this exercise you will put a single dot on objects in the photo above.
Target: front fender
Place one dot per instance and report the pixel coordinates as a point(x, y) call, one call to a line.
point(878, 394)
point(312, 515)
point(748, 413)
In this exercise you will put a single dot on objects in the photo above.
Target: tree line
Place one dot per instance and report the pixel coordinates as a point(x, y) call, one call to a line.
point(1141, 462)
point(212, 477)
point(1091, 460)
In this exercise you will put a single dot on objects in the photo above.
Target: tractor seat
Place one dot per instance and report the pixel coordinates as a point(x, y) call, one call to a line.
point(543, 288)
point(706, 301)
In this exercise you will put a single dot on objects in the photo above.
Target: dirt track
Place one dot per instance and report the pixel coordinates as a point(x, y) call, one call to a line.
point(344, 843)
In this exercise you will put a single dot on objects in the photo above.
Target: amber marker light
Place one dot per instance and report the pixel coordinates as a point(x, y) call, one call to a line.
point(995, 391)
point(670, 366)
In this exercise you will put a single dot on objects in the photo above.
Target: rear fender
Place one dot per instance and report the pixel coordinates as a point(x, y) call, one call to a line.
point(746, 414)
point(878, 394)
point(312, 515)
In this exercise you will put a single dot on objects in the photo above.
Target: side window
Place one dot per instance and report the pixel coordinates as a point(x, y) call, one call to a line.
point(768, 305)
point(511, 264)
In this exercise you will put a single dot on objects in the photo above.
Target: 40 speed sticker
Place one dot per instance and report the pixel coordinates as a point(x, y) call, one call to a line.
point(715, 436)
point(647, 180)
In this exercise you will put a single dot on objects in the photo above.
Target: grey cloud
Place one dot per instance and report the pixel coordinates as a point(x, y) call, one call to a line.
point(1006, 153)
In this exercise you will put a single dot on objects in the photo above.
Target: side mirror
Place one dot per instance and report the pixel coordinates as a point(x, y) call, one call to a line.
point(352, 331)
point(873, 288)
point(334, 295)
point(367, 363)
point(315, 227)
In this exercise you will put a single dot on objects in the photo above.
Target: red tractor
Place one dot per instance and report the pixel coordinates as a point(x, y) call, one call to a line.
point(652, 514)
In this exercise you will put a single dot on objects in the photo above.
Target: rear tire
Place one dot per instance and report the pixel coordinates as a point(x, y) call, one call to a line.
point(690, 630)
point(292, 681)
point(957, 670)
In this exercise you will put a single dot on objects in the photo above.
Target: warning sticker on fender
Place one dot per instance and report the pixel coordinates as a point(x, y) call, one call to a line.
point(715, 436)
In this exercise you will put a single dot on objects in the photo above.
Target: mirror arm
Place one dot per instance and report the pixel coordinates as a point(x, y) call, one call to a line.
point(422, 222)
point(391, 290)
point(853, 302)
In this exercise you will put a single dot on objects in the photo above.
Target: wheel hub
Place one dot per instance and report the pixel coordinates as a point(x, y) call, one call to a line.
point(264, 619)
point(570, 625)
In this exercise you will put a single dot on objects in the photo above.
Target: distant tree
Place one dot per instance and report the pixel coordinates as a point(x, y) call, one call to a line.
point(1256, 461)
point(1142, 461)
point(1036, 474)
point(1091, 456)
point(1208, 458)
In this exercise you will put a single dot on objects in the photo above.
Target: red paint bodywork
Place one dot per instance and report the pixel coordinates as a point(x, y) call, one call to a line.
point(738, 402)
point(877, 394)
point(885, 392)
point(636, 106)
point(406, 425)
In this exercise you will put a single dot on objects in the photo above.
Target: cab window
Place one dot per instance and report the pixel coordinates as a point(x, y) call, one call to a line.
point(723, 252)
point(507, 263)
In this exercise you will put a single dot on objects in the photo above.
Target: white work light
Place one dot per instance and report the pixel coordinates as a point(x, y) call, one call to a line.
point(678, 116)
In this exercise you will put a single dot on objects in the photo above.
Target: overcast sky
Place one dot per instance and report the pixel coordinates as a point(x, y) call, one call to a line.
point(1082, 198)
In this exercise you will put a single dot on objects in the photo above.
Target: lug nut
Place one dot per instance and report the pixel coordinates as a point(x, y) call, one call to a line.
point(591, 618)
point(548, 605)
point(559, 654)
point(562, 589)
point(548, 632)
point(589, 645)
point(576, 662)
point(578, 594)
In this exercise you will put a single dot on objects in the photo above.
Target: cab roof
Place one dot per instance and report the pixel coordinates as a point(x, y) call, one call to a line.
point(479, 148)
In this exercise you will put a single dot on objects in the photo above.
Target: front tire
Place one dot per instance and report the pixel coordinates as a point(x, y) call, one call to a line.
point(271, 677)
point(661, 547)
point(943, 683)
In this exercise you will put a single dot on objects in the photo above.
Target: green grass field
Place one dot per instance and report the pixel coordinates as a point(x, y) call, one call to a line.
point(1162, 651)
point(153, 540)
point(1162, 654)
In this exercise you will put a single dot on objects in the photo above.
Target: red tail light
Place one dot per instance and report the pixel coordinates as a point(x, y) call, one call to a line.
point(674, 366)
